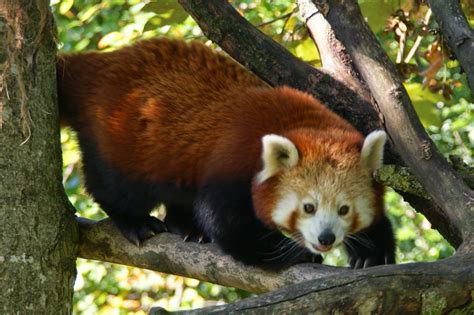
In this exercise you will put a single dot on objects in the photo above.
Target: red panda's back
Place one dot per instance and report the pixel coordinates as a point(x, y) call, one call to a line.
point(152, 95)
point(164, 110)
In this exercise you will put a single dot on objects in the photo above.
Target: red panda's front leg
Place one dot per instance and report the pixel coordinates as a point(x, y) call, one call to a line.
point(372, 246)
point(225, 213)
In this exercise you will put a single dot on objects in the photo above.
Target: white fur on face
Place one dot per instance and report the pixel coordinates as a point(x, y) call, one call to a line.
point(326, 217)
point(277, 153)
point(284, 208)
point(364, 208)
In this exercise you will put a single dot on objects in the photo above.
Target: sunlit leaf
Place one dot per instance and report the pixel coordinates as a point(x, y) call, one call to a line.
point(108, 39)
point(87, 14)
point(65, 6)
point(307, 51)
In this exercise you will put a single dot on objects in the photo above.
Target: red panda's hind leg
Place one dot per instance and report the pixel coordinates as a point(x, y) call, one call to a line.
point(128, 203)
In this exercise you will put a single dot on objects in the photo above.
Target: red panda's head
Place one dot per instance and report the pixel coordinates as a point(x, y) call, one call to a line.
point(318, 186)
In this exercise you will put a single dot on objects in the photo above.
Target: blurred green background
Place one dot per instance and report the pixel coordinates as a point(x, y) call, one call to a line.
point(410, 36)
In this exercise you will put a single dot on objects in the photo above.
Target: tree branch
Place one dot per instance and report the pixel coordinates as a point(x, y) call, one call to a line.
point(168, 253)
point(334, 57)
point(423, 288)
point(457, 32)
point(408, 136)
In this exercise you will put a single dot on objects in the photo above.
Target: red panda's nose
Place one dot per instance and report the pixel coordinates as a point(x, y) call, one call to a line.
point(326, 238)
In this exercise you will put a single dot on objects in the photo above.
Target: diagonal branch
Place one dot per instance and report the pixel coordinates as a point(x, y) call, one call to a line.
point(457, 32)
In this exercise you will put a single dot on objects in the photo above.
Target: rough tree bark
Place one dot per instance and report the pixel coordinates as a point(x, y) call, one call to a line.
point(38, 235)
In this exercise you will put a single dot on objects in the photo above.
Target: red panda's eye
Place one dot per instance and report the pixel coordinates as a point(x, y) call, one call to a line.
point(309, 208)
point(343, 210)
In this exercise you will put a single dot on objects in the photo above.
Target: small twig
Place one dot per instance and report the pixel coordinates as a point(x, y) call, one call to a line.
point(287, 20)
point(401, 49)
point(282, 17)
point(418, 38)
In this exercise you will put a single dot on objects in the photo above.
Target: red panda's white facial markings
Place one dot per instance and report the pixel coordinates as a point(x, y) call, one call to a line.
point(341, 195)
point(328, 192)
point(283, 210)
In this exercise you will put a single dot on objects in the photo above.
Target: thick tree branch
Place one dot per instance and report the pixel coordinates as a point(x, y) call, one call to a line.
point(169, 254)
point(422, 288)
point(408, 136)
point(440, 286)
point(457, 32)
point(375, 289)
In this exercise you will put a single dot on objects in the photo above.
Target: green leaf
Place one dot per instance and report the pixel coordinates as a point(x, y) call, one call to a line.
point(169, 12)
point(65, 6)
point(377, 12)
point(424, 102)
point(162, 6)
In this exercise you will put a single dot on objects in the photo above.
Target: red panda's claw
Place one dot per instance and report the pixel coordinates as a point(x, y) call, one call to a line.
point(193, 237)
point(185, 238)
point(140, 231)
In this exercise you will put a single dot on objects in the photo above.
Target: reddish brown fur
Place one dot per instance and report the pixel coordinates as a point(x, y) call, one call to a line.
point(181, 108)
point(264, 199)
point(150, 104)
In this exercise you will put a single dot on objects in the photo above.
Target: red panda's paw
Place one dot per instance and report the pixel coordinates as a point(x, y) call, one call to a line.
point(375, 259)
point(180, 220)
point(373, 246)
point(139, 231)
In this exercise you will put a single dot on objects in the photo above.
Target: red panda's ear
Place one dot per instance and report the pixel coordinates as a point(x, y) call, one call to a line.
point(372, 150)
point(277, 153)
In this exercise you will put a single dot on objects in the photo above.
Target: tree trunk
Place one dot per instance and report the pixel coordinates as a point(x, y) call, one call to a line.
point(38, 234)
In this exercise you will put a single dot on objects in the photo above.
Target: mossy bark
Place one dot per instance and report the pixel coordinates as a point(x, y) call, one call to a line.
point(38, 233)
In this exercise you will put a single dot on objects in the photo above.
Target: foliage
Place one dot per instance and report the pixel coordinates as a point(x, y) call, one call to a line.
point(434, 81)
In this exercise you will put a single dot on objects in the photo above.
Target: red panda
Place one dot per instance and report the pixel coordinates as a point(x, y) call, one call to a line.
point(270, 175)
